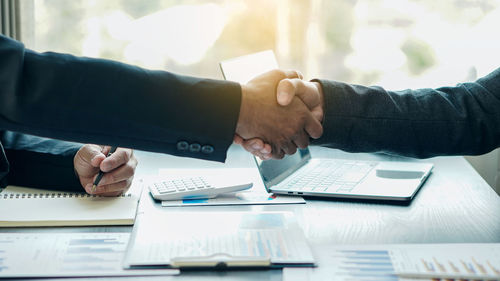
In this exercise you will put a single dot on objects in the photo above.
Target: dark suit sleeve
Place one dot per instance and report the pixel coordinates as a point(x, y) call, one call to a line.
point(460, 120)
point(105, 102)
point(40, 162)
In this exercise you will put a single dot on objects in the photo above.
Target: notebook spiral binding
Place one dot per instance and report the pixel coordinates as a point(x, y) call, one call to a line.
point(53, 195)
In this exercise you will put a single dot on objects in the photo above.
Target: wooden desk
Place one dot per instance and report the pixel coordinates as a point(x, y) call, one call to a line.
point(455, 205)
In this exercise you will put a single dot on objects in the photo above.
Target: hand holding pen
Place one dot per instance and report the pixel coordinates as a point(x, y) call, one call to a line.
point(109, 175)
point(101, 173)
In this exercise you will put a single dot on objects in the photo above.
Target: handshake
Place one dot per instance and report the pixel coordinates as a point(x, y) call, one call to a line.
point(279, 113)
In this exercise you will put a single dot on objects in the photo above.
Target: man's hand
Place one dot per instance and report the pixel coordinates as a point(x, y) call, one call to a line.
point(311, 93)
point(284, 127)
point(119, 169)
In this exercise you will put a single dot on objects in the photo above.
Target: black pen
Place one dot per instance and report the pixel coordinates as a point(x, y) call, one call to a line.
point(101, 173)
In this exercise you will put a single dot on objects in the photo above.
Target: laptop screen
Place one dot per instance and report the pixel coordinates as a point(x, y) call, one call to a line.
point(275, 171)
point(243, 69)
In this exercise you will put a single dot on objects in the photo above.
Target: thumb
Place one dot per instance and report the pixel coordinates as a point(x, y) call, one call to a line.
point(92, 154)
point(306, 91)
point(285, 92)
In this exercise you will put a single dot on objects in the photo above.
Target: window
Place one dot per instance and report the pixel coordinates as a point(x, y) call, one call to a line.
point(394, 43)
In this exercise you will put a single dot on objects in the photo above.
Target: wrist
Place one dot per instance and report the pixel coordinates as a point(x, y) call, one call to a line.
point(320, 91)
point(242, 117)
point(321, 105)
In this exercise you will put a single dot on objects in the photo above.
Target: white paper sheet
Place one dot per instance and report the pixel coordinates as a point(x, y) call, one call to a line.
point(257, 195)
point(402, 262)
point(239, 198)
point(276, 236)
point(66, 255)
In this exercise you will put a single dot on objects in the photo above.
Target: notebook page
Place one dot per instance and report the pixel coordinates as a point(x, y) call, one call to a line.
point(35, 207)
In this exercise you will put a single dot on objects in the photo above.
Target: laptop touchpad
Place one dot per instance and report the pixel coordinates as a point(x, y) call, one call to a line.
point(399, 174)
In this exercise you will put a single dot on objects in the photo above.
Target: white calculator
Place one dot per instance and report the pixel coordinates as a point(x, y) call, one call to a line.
point(196, 187)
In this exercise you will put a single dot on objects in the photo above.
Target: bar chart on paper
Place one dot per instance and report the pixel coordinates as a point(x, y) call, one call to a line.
point(65, 255)
point(246, 238)
point(358, 264)
point(449, 261)
point(402, 262)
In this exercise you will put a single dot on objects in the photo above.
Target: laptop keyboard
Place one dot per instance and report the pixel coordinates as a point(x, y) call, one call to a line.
point(328, 176)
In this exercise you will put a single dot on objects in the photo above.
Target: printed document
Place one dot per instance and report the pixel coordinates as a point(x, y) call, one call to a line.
point(402, 262)
point(66, 255)
point(243, 238)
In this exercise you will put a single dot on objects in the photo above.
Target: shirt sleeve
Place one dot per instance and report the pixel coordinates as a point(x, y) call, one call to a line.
point(459, 120)
point(106, 102)
point(40, 162)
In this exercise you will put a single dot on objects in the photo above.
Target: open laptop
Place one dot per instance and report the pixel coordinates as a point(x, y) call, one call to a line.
point(300, 174)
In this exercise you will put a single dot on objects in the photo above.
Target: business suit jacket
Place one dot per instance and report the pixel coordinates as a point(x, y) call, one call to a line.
point(460, 120)
point(38, 162)
point(105, 102)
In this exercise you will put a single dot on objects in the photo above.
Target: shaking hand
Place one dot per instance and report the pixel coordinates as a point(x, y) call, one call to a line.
point(284, 128)
point(310, 93)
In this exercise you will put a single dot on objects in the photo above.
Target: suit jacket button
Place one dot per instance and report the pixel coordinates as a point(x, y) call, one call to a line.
point(182, 145)
point(195, 147)
point(207, 149)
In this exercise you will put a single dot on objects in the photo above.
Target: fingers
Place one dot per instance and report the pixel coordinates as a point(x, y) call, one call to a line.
point(264, 153)
point(277, 153)
point(87, 160)
point(255, 144)
point(115, 160)
point(91, 154)
point(289, 148)
point(306, 91)
point(237, 139)
point(257, 147)
point(302, 140)
point(113, 189)
point(317, 113)
point(119, 169)
point(313, 127)
point(116, 181)
point(291, 74)
point(120, 174)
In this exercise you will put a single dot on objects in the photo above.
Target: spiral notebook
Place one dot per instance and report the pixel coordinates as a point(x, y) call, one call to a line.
point(20, 206)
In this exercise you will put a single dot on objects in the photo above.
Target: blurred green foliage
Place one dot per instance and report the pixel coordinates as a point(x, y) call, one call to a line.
point(419, 54)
